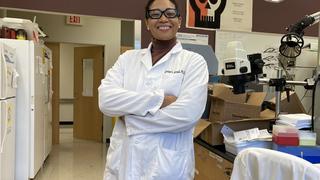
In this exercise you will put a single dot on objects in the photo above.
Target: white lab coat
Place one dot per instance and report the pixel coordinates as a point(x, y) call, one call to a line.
point(153, 143)
point(266, 164)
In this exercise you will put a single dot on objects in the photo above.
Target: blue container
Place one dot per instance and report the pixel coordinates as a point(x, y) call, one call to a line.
point(309, 153)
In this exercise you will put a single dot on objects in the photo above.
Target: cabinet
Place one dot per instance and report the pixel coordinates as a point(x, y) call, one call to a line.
point(210, 166)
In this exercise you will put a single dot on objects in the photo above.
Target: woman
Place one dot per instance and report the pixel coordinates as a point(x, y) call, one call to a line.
point(161, 93)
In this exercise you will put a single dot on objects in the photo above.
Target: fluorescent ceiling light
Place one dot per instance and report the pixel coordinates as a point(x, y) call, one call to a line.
point(274, 1)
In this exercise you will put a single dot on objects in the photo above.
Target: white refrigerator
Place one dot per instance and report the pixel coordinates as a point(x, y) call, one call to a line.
point(8, 85)
point(33, 125)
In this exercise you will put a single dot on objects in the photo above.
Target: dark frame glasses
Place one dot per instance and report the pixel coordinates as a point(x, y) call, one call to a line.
point(157, 13)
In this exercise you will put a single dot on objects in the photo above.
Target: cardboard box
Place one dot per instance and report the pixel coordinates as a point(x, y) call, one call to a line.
point(200, 127)
point(213, 136)
point(241, 112)
point(293, 106)
point(228, 106)
point(209, 165)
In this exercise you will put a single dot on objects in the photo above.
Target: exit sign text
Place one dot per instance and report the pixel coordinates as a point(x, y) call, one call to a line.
point(74, 20)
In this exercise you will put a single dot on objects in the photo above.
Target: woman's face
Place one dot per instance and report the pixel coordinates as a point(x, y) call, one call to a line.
point(163, 28)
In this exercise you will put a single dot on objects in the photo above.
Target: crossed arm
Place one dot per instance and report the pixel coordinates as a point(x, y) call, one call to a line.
point(152, 112)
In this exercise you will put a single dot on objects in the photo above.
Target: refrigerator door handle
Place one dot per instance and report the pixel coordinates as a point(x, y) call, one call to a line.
point(15, 79)
point(3, 139)
point(47, 89)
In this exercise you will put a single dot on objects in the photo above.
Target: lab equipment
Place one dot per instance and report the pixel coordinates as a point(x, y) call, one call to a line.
point(308, 153)
point(307, 138)
point(291, 45)
point(208, 54)
point(285, 135)
point(292, 42)
point(240, 67)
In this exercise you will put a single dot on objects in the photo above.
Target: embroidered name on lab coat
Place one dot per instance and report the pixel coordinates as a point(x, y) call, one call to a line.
point(175, 72)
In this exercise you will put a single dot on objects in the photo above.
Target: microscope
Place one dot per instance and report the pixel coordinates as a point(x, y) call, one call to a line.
point(240, 67)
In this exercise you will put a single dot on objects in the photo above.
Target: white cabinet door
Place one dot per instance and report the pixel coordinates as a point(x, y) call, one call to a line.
point(8, 71)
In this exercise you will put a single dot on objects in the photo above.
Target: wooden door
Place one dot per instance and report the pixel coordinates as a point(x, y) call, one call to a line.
point(88, 72)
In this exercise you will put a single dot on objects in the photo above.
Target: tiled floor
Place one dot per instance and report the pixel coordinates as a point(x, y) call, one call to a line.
point(74, 159)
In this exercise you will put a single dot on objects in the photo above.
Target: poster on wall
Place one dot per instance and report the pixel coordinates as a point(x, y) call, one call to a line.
point(191, 38)
point(235, 15)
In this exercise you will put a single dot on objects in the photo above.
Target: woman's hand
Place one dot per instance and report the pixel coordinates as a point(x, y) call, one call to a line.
point(168, 99)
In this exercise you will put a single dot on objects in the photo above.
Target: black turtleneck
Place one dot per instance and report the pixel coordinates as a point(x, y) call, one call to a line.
point(160, 48)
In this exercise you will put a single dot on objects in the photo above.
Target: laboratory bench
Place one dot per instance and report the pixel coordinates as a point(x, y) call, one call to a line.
point(213, 162)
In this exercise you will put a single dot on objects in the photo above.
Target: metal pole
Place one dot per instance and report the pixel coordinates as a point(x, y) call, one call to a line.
point(266, 81)
point(316, 120)
point(278, 94)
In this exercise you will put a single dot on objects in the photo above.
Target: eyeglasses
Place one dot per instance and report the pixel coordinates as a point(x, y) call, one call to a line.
point(157, 13)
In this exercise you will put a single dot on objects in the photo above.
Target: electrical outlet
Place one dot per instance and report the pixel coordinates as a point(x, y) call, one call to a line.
point(314, 47)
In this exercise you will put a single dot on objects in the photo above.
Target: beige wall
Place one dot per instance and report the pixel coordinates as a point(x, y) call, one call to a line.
point(66, 80)
point(66, 69)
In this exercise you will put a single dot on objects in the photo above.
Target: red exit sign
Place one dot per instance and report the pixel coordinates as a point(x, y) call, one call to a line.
point(74, 20)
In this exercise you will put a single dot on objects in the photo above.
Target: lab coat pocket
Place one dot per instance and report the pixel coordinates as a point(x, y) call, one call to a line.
point(171, 83)
point(113, 157)
point(171, 164)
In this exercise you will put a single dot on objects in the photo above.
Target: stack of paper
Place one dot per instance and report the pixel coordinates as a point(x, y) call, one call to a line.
point(296, 120)
point(231, 136)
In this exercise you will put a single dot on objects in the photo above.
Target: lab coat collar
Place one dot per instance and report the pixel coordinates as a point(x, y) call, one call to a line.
point(146, 55)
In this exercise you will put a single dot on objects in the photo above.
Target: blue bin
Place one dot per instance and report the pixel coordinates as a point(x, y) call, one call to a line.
point(309, 153)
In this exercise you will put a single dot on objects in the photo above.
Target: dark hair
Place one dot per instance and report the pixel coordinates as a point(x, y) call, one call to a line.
point(149, 3)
